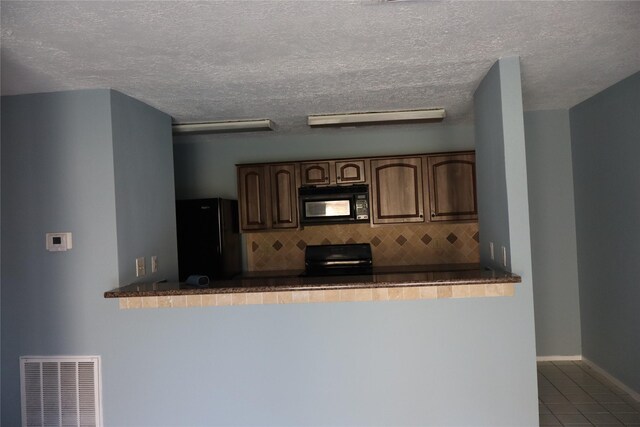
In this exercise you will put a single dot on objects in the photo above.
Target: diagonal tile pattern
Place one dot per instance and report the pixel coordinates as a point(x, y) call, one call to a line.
point(570, 393)
point(405, 244)
point(426, 239)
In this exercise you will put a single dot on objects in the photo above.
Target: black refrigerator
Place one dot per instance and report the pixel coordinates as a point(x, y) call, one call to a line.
point(208, 238)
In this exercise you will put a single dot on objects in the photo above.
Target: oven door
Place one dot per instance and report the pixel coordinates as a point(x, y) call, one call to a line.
point(322, 210)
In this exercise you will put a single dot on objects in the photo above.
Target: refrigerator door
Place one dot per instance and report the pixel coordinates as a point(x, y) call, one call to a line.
point(208, 238)
point(199, 244)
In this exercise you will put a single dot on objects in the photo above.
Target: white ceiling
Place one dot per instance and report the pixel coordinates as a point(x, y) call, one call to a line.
point(287, 59)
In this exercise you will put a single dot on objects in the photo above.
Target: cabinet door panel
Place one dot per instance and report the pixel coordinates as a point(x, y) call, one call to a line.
point(314, 173)
point(452, 187)
point(397, 190)
point(252, 197)
point(283, 196)
point(350, 172)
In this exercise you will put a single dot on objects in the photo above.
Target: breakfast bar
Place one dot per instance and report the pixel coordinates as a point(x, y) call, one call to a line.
point(283, 287)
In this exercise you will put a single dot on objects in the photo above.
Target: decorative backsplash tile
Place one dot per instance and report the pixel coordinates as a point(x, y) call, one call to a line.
point(391, 245)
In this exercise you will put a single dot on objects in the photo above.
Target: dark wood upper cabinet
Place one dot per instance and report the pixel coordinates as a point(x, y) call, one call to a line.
point(252, 197)
point(440, 187)
point(452, 187)
point(397, 190)
point(284, 197)
point(350, 172)
point(315, 173)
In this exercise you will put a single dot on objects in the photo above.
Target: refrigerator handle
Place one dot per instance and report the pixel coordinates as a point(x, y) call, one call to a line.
point(221, 219)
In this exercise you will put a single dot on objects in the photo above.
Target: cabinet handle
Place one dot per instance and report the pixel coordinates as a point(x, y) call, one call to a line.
point(433, 214)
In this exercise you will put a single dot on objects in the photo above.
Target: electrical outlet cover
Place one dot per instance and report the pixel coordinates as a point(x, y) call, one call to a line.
point(140, 270)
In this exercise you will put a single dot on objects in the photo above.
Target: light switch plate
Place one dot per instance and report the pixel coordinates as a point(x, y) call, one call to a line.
point(59, 242)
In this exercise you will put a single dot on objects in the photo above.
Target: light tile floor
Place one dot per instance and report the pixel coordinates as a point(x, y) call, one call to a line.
point(570, 393)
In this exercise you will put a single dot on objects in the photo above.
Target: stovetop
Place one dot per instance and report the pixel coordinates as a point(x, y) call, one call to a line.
point(338, 260)
point(362, 271)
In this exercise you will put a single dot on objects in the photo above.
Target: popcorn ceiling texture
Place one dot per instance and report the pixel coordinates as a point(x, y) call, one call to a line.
point(391, 245)
point(220, 60)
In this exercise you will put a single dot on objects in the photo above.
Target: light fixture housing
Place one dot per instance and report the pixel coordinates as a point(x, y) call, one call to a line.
point(377, 118)
point(225, 126)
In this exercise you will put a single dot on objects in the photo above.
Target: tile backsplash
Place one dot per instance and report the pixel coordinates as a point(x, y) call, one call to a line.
point(412, 244)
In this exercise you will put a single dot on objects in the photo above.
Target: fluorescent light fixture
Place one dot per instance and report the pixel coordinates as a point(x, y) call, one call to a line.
point(227, 126)
point(378, 118)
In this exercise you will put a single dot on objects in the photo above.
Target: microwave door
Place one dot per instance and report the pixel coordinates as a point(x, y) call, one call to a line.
point(317, 209)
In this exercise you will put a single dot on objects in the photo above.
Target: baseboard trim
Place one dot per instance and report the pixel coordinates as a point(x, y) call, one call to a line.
point(611, 378)
point(558, 358)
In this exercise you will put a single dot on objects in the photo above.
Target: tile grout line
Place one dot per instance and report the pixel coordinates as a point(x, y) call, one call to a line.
point(600, 381)
point(609, 388)
point(558, 390)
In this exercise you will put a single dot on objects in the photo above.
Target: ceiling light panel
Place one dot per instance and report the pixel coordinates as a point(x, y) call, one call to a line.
point(373, 118)
point(228, 126)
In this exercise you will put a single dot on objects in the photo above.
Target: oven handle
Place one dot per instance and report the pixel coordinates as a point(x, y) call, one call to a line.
point(344, 262)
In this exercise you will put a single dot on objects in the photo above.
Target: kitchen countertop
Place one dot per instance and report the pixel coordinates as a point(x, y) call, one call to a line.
point(291, 280)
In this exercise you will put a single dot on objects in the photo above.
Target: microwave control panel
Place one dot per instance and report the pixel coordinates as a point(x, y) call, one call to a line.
point(362, 207)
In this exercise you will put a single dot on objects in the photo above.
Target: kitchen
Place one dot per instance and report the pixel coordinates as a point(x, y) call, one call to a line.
point(337, 354)
point(411, 228)
point(465, 361)
point(301, 236)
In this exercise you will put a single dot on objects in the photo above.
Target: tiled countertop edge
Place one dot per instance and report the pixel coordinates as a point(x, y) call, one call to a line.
point(382, 293)
point(171, 290)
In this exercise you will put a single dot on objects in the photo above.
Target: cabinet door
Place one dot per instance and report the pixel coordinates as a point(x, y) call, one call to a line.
point(397, 190)
point(252, 197)
point(315, 173)
point(350, 172)
point(452, 187)
point(284, 206)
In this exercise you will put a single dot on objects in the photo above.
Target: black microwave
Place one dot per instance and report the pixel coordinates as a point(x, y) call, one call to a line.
point(334, 205)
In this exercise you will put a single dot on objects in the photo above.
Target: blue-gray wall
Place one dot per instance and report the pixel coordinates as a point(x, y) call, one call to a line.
point(493, 209)
point(0, 258)
point(58, 171)
point(553, 233)
point(205, 165)
point(57, 175)
point(143, 168)
point(605, 141)
point(503, 211)
point(438, 362)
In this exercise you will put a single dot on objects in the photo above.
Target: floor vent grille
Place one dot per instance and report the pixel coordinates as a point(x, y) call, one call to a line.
point(61, 391)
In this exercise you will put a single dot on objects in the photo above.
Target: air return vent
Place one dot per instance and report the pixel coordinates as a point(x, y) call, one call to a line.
point(61, 391)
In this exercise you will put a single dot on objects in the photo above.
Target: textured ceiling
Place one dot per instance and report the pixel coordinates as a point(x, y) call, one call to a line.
point(287, 59)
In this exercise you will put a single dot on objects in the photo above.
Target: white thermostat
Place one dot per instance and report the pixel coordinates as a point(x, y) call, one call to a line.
point(57, 242)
